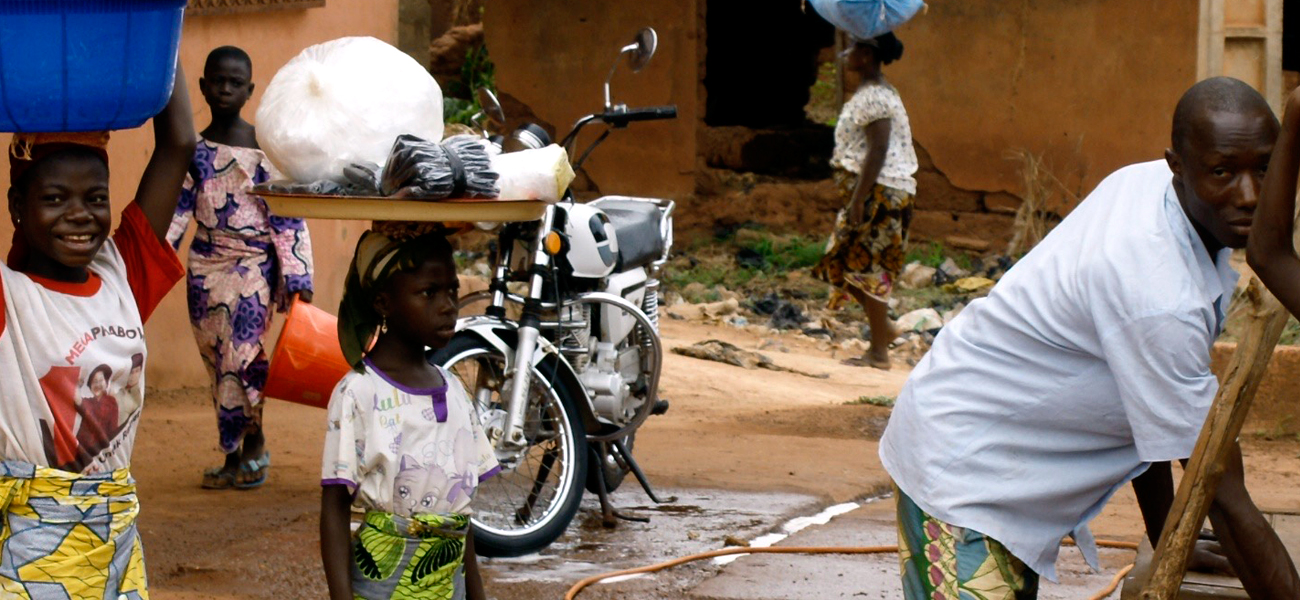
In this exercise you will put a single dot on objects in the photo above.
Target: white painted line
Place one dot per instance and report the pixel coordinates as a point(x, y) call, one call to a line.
point(790, 527)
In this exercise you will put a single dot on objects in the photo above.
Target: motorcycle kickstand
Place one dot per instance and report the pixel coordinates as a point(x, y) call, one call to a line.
point(632, 466)
point(525, 512)
point(609, 515)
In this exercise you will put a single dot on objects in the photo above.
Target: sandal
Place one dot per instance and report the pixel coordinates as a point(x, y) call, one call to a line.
point(252, 472)
point(218, 478)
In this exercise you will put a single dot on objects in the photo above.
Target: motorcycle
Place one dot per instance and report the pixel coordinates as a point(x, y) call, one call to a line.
point(562, 389)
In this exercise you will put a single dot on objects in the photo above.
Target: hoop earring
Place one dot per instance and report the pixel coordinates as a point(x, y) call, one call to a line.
point(383, 326)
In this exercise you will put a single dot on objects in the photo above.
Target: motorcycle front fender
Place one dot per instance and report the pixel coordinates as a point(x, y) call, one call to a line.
point(502, 334)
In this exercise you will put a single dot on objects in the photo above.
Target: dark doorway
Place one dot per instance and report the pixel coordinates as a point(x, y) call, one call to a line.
point(761, 61)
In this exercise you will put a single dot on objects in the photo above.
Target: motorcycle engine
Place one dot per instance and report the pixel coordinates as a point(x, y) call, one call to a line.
point(609, 377)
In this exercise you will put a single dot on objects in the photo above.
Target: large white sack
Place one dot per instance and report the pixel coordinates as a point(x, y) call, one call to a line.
point(345, 101)
point(540, 174)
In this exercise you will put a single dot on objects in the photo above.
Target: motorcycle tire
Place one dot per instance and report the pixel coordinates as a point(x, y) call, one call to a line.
point(610, 467)
point(528, 505)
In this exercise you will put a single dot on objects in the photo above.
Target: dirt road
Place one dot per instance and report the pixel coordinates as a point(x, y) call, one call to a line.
point(749, 432)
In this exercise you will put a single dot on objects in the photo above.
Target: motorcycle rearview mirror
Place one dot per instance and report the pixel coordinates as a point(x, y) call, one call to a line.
point(491, 107)
point(643, 49)
point(639, 53)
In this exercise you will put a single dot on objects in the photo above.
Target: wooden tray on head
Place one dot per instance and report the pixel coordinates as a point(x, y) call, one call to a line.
point(378, 208)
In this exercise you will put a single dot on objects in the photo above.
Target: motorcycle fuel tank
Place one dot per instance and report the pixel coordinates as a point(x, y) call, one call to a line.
point(593, 248)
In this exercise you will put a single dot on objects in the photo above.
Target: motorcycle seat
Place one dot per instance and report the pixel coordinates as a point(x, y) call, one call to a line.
point(636, 227)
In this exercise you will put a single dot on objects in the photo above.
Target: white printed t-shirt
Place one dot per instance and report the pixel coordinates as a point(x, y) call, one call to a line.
point(404, 450)
point(1089, 360)
point(72, 355)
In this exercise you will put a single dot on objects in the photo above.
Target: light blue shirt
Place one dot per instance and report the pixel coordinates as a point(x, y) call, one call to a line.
point(1089, 360)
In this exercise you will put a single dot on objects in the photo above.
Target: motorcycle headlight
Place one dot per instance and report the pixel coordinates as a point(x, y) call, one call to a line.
point(528, 137)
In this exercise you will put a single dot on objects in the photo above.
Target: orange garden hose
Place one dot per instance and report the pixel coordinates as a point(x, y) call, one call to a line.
point(578, 587)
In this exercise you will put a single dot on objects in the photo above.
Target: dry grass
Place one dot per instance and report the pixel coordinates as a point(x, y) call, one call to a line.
point(466, 12)
point(1043, 189)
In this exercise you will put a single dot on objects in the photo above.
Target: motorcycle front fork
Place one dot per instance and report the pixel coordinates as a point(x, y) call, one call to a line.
point(511, 435)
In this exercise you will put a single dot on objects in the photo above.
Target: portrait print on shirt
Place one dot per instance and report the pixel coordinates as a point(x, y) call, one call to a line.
point(94, 399)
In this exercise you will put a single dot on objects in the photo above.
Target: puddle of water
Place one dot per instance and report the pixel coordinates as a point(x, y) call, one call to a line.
point(698, 522)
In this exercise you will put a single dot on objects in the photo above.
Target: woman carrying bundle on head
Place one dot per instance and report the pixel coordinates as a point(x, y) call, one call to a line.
point(874, 164)
point(74, 296)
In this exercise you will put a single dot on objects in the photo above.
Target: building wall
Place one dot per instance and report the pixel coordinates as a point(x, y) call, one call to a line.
point(271, 39)
point(1089, 86)
point(554, 56)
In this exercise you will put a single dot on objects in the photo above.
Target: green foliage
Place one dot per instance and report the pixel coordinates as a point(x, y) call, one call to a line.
point(930, 255)
point(794, 253)
point(934, 253)
point(459, 110)
point(885, 401)
point(709, 276)
point(460, 103)
point(823, 106)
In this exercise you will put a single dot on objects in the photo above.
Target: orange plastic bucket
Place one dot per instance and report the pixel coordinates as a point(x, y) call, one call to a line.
point(307, 362)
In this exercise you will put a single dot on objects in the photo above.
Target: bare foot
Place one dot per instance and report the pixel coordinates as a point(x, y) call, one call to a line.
point(867, 360)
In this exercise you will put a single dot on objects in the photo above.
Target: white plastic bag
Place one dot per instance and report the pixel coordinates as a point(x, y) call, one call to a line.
point(865, 19)
point(342, 102)
point(541, 174)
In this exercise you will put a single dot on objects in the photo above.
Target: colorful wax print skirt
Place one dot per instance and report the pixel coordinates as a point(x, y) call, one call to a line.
point(69, 536)
point(419, 557)
point(942, 562)
point(868, 256)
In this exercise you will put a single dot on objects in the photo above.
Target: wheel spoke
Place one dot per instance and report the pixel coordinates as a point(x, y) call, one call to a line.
point(502, 499)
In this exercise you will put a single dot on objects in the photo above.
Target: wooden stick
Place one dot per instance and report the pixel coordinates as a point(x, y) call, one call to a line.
point(1265, 320)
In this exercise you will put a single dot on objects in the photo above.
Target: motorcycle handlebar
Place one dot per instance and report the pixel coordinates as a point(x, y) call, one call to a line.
point(619, 118)
point(616, 118)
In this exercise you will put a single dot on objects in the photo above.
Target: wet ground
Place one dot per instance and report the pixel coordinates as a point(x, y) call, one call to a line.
point(699, 521)
point(704, 520)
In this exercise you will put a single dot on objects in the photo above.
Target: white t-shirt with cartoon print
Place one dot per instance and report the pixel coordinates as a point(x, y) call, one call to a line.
point(404, 450)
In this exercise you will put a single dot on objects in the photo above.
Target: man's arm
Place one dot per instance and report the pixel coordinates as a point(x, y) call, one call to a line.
point(1155, 495)
point(1250, 543)
point(1271, 250)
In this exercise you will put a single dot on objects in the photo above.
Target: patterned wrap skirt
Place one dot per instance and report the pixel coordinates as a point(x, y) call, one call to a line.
point(939, 561)
point(418, 558)
point(68, 535)
point(868, 257)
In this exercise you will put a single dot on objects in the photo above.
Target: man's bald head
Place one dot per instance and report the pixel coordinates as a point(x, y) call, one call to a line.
point(1216, 94)
point(1223, 138)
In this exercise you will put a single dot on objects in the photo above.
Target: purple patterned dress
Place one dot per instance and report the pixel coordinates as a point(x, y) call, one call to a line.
point(243, 261)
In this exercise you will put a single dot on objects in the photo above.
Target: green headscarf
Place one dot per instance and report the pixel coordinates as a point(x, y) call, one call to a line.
point(378, 257)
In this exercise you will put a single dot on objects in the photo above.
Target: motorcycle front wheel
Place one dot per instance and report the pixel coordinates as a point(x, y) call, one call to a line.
point(527, 505)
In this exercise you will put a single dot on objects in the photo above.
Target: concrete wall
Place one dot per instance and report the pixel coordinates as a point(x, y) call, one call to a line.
point(553, 57)
point(1090, 86)
point(271, 39)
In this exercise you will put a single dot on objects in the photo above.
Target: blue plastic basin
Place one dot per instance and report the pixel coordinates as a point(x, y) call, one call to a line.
point(69, 65)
